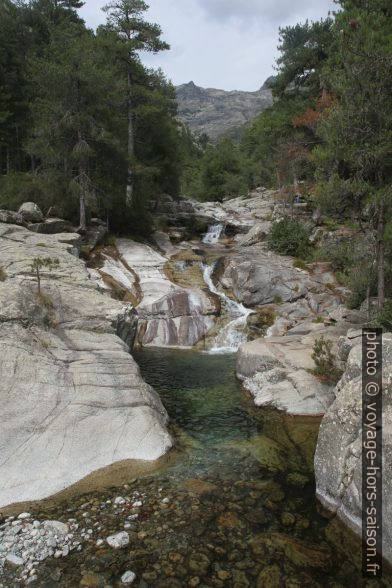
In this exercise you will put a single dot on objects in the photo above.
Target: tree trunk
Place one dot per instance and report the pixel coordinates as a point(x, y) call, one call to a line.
point(83, 189)
point(381, 254)
point(131, 144)
point(82, 211)
point(8, 162)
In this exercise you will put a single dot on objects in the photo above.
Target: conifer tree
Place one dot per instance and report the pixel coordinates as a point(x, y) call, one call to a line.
point(134, 34)
point(76, 98)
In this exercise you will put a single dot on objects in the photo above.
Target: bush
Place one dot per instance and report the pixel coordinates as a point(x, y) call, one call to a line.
point(300, 264)
point(261, 320)
point(289, 237)
point(325, 361)
point(384, 317)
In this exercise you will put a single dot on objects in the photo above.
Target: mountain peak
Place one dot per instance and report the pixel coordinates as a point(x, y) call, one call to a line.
point(218, 112)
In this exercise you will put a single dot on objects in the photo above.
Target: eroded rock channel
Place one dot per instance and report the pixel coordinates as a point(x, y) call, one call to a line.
point(233, 503)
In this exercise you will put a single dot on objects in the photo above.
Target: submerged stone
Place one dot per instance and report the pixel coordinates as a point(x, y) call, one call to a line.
point(270, 577)
point(300, 553)
point(119, 540)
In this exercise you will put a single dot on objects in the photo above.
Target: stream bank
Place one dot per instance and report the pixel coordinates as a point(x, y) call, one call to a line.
point(237, 507)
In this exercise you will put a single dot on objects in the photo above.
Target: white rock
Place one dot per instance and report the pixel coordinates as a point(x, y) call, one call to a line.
point(128, 577)
point(118, 540)
point(56, 527)
point(88, 381)
point(14, 560)
point(24, 515)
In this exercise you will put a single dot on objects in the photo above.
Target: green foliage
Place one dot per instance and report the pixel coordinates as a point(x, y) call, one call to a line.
point(271, 140)
point(289, 237)
point(300, 264)
point(318, 320)
point(261, 320)
point(3, 274)
point(325, 361)
point(64, 105)
point(304, 48)
point(40, 263)
point(384, 317)
point(220, 172)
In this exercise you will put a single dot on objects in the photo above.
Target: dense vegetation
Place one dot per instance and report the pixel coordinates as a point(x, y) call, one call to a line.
point(328, 136)
point(84, 127)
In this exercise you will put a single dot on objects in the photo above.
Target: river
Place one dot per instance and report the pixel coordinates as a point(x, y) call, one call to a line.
point(233, 506)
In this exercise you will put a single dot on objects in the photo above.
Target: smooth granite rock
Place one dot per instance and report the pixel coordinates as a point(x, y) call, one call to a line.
point(73, 400)
point(169, 316)
point(338, 461)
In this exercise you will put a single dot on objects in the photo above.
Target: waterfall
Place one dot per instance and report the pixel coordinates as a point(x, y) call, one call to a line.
point(233, 334)
point(213, 234)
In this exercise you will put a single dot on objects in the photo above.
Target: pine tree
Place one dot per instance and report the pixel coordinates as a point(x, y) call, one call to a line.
point(76, 97)
point(134, 34)
point(355, 156)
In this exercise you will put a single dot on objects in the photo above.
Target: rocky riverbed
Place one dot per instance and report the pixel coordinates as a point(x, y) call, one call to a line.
point(235, 509)
point(224, 509)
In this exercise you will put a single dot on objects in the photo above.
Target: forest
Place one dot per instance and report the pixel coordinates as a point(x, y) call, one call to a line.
point(87, 130)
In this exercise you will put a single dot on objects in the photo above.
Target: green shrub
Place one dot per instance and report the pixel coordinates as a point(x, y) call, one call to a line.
point(39, 263)
point(318, 319)
point(3, 274)
point(289, 237)
point(259, 321)
point(325, 361)
point(384, 317)
point(300, 264)
point(331, 224)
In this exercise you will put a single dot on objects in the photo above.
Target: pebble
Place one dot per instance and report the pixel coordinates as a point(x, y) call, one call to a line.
point(118, 540)
point(128, 577)
point(14, 560)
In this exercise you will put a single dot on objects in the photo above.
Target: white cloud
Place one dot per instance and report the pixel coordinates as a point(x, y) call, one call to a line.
point(229, 44)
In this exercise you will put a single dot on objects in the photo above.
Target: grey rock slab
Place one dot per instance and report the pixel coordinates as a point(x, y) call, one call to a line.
point(338, 463)
point(73, 400)
point(169, 316)
point(8, 216)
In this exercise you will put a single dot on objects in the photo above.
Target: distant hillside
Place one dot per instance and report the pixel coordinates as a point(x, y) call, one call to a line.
point(218, 112)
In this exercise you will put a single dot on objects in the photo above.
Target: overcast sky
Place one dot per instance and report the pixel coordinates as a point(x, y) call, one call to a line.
point(228, 44)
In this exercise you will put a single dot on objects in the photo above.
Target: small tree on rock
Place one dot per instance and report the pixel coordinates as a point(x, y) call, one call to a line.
point(43, 262)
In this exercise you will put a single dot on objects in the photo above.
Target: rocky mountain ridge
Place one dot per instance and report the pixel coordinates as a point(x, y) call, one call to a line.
point(219, 112)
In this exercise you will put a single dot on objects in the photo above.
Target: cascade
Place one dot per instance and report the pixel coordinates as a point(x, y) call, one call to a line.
point(233, 334)
point(213, 234)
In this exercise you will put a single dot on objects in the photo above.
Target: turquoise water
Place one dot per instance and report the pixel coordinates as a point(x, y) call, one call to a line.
point(235, 507)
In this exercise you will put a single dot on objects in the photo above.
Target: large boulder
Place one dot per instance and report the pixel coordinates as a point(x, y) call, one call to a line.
point(338, 458)
point(73, 400)
point(95, 235)
point(31, 213)
point(277, 370)
point(258, 276)
point(51, 226)
point(255, 235)
point(8, 216)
